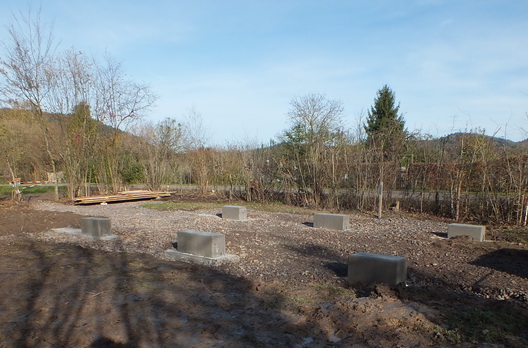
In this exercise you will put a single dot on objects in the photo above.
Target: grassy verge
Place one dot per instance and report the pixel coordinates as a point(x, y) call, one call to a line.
point(6, 190)
point(191, 206)
point(479, 325)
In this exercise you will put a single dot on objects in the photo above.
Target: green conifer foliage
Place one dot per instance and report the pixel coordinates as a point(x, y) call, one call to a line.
point(385, 127)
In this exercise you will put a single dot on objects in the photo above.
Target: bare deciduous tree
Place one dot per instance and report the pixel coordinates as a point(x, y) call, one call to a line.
point(15, 147)
point(28, 70)
point(200, 156)
point(118, 103)
point(164, 140)
point(316, 124)
point(70, 97)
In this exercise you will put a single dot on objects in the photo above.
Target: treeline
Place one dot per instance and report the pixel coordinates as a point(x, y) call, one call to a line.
point(464, 176)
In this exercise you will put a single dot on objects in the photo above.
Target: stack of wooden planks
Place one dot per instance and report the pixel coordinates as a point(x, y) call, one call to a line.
point(125, 196)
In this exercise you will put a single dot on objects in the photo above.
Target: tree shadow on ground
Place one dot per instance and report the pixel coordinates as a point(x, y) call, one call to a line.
point(330, 259)
point(512, 261)
point(314, 251)
point(64, 295)
point(104, 342)
point(72, 296)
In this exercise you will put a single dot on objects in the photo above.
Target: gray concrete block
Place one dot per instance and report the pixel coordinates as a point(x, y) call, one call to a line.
point(331, 221)
point(96, 227)
point(476, 232)
point(205, 244)
point(234, 212)
point(369, 268)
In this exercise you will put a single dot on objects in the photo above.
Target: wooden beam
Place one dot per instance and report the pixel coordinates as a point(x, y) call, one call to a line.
point(124, 196)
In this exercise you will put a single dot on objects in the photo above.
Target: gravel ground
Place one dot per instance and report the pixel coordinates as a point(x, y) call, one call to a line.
point(286, 248)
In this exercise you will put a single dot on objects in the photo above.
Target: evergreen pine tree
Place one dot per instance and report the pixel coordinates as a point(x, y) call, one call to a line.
point(385, 128)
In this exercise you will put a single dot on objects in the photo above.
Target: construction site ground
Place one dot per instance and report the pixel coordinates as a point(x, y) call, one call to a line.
point(288, 288)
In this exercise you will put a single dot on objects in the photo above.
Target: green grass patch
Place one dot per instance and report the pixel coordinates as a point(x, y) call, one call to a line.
point(491, 326)
point(37, 189)
point(191, 206)
point(300, 301)
point(452, 336)
point(6, 190)
point(331, 292)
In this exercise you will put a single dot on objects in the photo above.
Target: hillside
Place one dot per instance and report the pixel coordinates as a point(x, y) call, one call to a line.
point(453, 140)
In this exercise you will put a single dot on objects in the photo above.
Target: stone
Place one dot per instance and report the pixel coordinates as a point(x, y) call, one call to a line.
point(96, 227)
point(206, 244)
point(477, 232)
point(331, 221)
point(234, 212)
point(368, 268)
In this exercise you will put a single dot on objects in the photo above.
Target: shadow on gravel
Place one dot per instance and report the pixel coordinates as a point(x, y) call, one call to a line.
point(314, 251)
point(326, 256)
point(340, 269)
point(69, 296)
point(512, 261)
point(104, 342)
point(309, 224)
point(440, 234)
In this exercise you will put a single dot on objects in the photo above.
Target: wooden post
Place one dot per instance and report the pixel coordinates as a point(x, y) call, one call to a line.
point(380, 199)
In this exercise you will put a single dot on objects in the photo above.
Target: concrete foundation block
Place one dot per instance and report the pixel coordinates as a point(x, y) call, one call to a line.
point(96, 227)
point(205, 244)
point(331, 221)
point(77, 232)
point(234, 212)
point(174, 254)
point(367, 268)
point(476, 232)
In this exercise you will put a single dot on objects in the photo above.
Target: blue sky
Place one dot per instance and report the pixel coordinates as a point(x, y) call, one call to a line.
point(453, 65)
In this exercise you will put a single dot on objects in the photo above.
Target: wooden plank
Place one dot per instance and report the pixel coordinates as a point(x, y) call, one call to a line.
point(124, 196)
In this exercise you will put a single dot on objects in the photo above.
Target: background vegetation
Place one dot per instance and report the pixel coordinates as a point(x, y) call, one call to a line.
point(82, 117)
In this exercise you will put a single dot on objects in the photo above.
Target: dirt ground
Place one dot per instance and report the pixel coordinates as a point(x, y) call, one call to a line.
point(288, 288)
